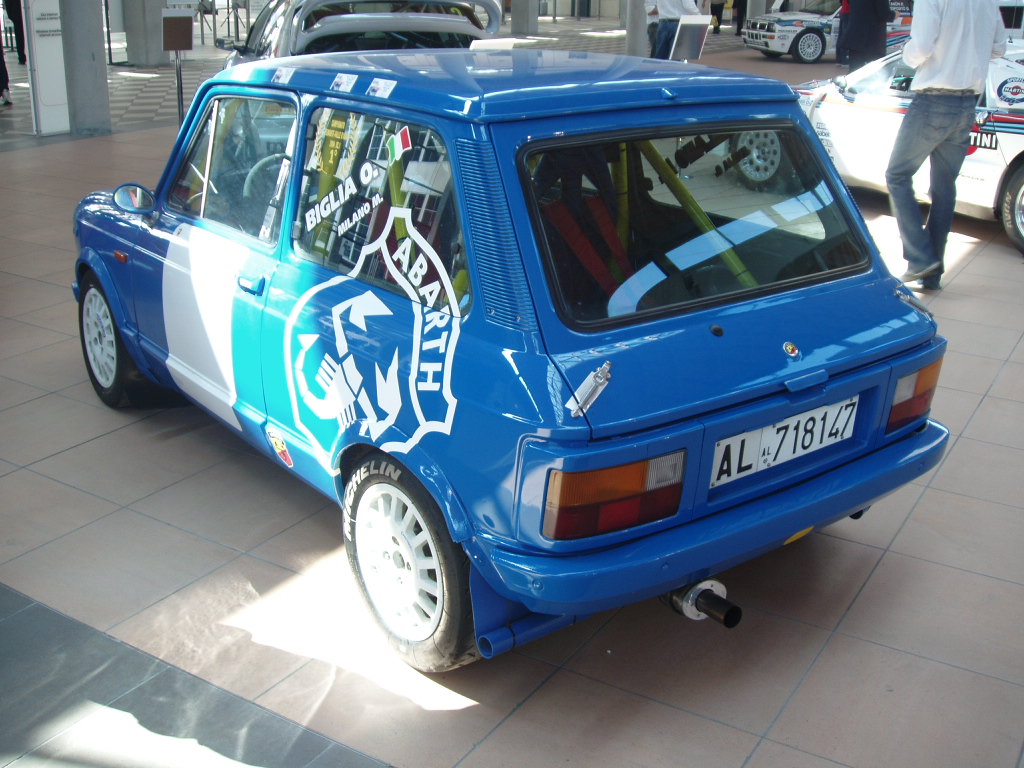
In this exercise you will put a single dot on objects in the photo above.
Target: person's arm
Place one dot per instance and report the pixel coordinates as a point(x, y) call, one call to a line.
point(924, 32)
point(999, 43)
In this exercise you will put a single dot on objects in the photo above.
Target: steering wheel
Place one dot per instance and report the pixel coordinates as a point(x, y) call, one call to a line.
point(254, 172)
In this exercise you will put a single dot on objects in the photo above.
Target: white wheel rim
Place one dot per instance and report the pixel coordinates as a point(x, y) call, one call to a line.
point(765, 154)
point(398, 563)
point(1018, 211)
point(809, 46)
point(99, 338)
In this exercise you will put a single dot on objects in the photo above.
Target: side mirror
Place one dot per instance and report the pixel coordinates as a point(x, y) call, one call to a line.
point(901, 83)
point(134, 198)
point(227, 44)
point(840, 82)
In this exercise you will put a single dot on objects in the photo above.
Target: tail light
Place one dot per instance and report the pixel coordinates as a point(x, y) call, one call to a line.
point(913, 396)
point(581, 504)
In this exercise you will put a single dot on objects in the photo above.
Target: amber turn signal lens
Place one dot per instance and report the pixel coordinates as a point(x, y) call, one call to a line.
point(913, 397)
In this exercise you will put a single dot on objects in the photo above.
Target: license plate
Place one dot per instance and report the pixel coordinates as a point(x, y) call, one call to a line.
point(742, 455)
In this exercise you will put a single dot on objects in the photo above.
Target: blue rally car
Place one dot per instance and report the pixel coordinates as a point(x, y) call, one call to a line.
point(532, 317)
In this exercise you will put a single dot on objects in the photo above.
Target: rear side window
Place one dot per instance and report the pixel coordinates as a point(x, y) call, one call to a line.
point(378, 202)
point(665, 224)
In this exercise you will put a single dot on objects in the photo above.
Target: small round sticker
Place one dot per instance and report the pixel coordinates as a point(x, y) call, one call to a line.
point(791, 349)
point(1011, 90)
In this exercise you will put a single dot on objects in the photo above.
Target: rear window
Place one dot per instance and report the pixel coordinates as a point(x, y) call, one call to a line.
point(386, 41)
point(643, 226)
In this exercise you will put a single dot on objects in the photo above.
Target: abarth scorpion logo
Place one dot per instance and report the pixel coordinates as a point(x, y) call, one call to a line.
point(405, 391)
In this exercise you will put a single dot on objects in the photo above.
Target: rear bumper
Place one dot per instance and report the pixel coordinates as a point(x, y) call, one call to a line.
point(640, 569)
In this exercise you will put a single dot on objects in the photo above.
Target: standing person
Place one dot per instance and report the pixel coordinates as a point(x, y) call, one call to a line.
point(5, 80)
point(866, 33)
point(651, 6)
point(842, 52)
point(717, 10)
point(13, 8)
point(951, 43)
point(669, 12)
point(739, 13)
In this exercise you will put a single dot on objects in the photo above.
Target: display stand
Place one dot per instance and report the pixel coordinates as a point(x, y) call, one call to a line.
point(690, 36)
point(44, 37)
point(177, 27)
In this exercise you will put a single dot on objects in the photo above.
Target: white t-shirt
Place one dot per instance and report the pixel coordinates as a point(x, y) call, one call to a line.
point(674, 9)
point(952, 41)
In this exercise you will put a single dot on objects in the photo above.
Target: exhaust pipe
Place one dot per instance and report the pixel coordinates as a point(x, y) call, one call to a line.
point(705, 600)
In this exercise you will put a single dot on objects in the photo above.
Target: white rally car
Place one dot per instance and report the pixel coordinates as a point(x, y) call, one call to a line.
point(812, 32)
point(857, 118)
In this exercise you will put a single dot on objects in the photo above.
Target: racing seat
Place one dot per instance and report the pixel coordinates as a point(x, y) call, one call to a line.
point(579, 207)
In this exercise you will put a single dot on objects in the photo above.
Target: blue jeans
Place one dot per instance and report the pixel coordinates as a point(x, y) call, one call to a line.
point(666, 36)
point(937, 128)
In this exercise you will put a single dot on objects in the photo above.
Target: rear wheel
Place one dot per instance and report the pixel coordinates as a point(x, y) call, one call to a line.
point(764, 164)
point(1012, 209)
point(809, 46)
point(414, 578)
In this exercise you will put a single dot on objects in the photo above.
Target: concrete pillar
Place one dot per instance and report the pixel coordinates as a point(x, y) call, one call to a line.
point(637, 43)
point(85, 68)
point(143, 26)
point(524, 17)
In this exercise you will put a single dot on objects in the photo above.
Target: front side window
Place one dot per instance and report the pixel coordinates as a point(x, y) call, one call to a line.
point(824, 7)
point(378, 202)
point(665, 224)
point(237, 166)
point(886, 77)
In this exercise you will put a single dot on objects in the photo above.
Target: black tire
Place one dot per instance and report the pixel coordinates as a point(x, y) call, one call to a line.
point(809, 46)
point(414, 578)
point(112, 371)
point(1011, 209)
point(764, 165)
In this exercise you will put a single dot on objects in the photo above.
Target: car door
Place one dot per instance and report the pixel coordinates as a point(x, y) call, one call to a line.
point(365, 311)
point(202, 277)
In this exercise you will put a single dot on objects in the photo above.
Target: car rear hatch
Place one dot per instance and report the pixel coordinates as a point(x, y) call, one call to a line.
point(722, 285)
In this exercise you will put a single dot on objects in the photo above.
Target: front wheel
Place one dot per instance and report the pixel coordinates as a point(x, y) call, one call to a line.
point(111, 370)
point(1012, 209)
point(808, 47)
point(414, 578)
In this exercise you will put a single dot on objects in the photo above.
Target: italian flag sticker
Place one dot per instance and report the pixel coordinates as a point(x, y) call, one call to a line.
point(398, 144)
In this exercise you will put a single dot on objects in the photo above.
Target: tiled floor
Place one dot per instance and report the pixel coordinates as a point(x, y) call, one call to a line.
point(172, 600)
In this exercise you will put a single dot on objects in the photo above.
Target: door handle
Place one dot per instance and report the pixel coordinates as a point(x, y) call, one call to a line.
point(252, 285)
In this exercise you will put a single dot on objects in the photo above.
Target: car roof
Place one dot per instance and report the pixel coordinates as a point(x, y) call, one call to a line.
point(498, 85)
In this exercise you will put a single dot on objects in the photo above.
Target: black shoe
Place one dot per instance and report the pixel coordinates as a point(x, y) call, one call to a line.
point(21, 60)
point(5, 98)
point(715, 30)
point(916, 274)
